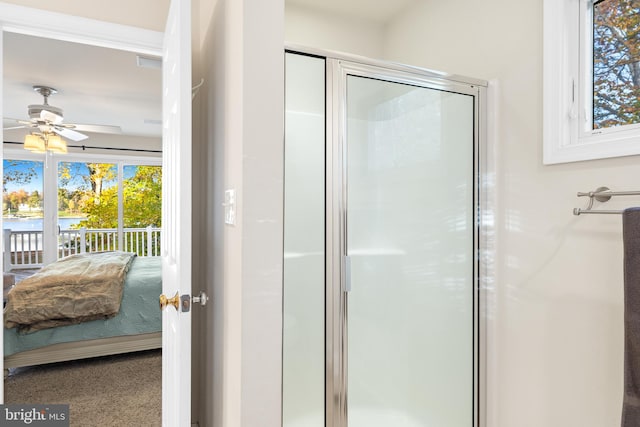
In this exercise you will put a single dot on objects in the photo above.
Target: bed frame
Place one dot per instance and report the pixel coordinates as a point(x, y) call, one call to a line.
point(83, 349)
point(87, 348)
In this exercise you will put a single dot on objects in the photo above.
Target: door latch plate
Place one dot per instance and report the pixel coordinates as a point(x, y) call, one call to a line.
point(185, 303)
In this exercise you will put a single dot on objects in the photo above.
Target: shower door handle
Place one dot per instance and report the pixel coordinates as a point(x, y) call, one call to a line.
point(347, 273)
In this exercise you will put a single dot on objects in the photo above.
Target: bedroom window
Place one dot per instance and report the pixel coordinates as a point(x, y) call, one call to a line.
point(142, 187)
point(591, 79)
point(142, 208)
point(22, 209)
point(119, 206)
point(22, 190)
point(88, 192)
point(107, 204)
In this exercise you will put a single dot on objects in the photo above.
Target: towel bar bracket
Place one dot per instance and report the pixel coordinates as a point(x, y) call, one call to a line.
point(597, 195)
point(593, 195)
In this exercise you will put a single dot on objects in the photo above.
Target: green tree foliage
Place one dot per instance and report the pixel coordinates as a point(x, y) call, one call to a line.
point(100, 174)
point(89, 190)
point(101, 212)
point(616, 63)
point(142, 195)
point(14, 199)
point(35, 200)
point(70, 202)
point(84, 187)
point(143, 198)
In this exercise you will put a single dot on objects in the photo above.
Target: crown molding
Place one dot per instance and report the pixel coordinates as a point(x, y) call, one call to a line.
point(53, 25)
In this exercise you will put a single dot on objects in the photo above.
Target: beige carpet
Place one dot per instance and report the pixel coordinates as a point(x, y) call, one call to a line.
point(123, 390)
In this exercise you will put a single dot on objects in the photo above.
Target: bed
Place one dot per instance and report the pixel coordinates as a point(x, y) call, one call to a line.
point(137, 326)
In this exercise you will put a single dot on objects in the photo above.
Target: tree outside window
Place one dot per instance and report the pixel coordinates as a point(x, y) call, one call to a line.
point(22, 189)
point(616, 63)
point(91, 188)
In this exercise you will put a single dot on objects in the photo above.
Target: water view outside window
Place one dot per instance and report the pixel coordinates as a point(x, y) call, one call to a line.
point(22, 209)
point(88, 208)
point(616, 63)
point(22, 198)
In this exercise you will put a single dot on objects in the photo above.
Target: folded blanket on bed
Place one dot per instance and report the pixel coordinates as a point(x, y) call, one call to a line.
point(71, 290)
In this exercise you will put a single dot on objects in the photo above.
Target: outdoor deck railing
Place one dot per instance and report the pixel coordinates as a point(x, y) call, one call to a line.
point(23, 249)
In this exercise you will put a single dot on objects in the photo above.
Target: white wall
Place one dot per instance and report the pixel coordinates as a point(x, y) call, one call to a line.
point(556, 318)
point(240, 146)
point(314, 28)
point(149, 14)
point(556, 340)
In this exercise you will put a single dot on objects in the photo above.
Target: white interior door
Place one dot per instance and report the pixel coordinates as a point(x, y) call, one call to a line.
point(176, 216)
point(1, 222)
point(176, 243)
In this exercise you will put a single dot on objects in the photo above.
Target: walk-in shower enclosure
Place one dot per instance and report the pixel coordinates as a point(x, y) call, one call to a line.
point(382, 235)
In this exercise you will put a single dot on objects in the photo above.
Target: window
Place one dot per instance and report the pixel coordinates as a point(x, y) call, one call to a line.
point(105, 204)
point(616, 63)
point(23, 210)
point(22, 193)
point(591, 79)
point(119, 206)
point(142, 186)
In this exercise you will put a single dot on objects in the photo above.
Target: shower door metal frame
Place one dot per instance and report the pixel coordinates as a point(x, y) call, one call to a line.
point(338, 67)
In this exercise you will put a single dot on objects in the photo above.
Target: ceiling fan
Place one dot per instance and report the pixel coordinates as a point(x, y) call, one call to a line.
point(48, 120)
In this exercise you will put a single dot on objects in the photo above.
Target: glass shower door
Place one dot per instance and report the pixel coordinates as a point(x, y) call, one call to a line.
point(303, 339)
point(410, 255)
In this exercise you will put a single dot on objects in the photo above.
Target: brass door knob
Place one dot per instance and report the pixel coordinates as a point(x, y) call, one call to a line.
point(175, 301)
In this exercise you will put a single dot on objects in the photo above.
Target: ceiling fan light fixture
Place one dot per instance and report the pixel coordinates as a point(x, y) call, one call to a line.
point(41, 143)
point(34, 143)
point(56, 144)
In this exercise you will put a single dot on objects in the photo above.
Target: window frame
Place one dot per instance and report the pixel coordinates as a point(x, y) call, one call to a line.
point(50, 186)
point(568, 90)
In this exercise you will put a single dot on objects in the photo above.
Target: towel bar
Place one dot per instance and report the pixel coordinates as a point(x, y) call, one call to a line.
point(578, 211)
point(602, 194)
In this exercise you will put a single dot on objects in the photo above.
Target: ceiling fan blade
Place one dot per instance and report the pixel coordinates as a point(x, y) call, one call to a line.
point(69, 134)
point(50, 117)
point(10, 124)
point(9, 121)
point(116, 130)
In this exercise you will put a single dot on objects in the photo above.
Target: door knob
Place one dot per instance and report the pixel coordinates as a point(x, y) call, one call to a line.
point(200, 299)
point(175, 301)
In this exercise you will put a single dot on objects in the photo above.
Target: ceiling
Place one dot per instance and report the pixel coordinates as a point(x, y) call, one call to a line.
point(380, 12)
point(95, 85)
point(103, 86)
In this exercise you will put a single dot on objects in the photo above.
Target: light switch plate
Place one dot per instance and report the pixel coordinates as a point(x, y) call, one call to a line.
point(230, 207)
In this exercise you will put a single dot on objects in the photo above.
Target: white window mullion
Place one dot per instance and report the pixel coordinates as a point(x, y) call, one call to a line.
point(50, 220)
point(585, 73)
point(120, 206)
point(560, 70)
